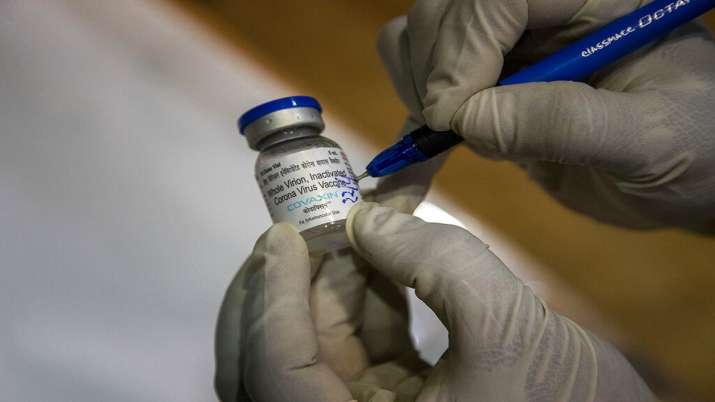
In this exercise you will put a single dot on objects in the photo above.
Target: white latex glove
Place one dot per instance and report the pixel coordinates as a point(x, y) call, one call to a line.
point(505, 345)
point(282, 336)
point(360, 318)
point(632, 147)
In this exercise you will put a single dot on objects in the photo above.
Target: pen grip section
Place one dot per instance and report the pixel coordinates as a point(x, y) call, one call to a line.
point(431, 142)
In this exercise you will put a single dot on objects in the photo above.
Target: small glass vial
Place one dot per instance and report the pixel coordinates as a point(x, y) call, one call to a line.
point(305, 178)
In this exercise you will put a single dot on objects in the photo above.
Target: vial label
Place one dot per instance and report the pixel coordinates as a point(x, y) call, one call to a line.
point(308, 188)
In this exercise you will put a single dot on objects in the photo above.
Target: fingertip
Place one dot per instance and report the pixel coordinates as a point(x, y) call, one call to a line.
point(283, 229)
point(492, 120)
point(360, 216)
point(350, 221)
point(560, 121)
point(281, 238)
point(477, 118)
point(370, 225)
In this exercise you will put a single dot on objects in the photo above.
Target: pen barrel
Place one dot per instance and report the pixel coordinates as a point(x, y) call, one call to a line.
point(431, 142)
point(581, 59)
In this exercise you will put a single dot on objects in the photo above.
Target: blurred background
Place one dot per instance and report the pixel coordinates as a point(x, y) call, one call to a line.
point(127, 200)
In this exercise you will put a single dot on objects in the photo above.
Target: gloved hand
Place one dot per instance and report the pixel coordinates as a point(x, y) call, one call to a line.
point(292, 329)
point(632, 147)
point(359, 315)
point(504, 342)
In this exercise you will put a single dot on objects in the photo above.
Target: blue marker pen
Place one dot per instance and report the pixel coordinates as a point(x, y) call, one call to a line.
point(573, 63)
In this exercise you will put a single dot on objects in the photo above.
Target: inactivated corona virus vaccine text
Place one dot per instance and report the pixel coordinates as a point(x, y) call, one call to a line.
point(305, 178)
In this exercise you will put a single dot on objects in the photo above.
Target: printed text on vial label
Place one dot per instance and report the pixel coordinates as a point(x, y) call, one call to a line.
point(309, 188)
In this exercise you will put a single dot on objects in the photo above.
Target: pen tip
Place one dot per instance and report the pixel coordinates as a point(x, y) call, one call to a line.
point(362, 176)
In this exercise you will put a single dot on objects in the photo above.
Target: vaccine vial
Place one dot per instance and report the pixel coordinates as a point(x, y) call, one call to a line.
point(305, 178)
